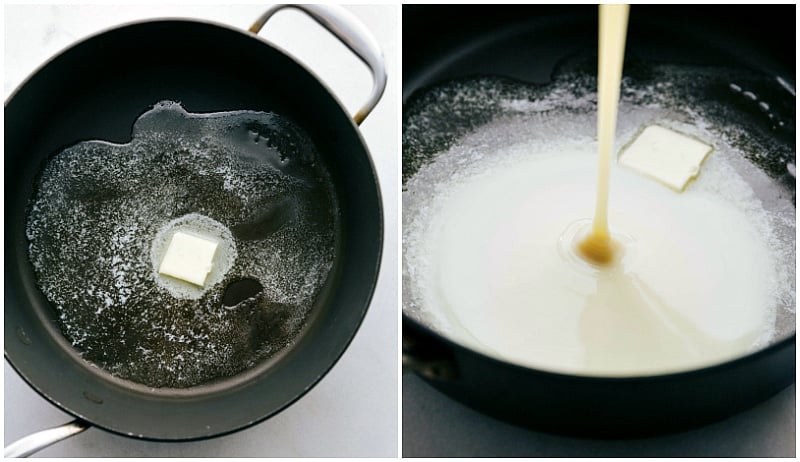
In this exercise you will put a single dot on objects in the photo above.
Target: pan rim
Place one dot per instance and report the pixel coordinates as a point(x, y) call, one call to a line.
point(599, 379)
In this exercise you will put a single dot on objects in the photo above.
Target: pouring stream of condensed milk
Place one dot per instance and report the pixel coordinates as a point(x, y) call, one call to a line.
point(598, 246)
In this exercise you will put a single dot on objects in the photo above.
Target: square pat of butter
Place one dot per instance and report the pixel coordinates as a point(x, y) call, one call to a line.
point(189, 258)
point(665, 155)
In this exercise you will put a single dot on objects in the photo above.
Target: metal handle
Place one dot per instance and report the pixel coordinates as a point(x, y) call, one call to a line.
point(40, 440)
point(353, 34)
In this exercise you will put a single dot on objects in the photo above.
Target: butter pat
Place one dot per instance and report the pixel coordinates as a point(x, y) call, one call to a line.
point(188, 258)
point(665, 155)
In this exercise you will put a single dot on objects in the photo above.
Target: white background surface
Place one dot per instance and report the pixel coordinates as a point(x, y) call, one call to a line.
point(353, 410)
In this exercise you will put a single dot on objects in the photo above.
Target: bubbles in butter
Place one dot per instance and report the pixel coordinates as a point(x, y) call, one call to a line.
point(496, 174)
point(100, 211)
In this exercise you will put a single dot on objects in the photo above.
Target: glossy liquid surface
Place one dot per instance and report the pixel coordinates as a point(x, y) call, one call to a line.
point(102, 214)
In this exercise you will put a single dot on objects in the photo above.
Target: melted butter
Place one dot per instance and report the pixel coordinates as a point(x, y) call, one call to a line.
point(103, 215)
point(599, 246)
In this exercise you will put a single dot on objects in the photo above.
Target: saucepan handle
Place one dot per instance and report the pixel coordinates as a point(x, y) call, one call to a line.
point(353, 34)
point(40, 440)
point(424, 354)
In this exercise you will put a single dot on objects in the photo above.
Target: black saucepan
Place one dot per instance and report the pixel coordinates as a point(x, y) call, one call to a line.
point(96, 90)
point(526, 43)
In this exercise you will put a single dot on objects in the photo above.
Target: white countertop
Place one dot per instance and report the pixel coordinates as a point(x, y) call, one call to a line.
point(353, 411)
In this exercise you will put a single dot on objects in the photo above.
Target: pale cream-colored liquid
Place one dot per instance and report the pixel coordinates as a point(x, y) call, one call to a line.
point(505, 272)
point(599, 246)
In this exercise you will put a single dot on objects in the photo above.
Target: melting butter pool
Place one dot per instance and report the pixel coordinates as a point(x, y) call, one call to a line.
point(102, 213)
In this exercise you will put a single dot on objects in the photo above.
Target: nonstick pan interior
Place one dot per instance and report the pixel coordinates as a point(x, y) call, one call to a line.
point(526, 42)
point(95, 91)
